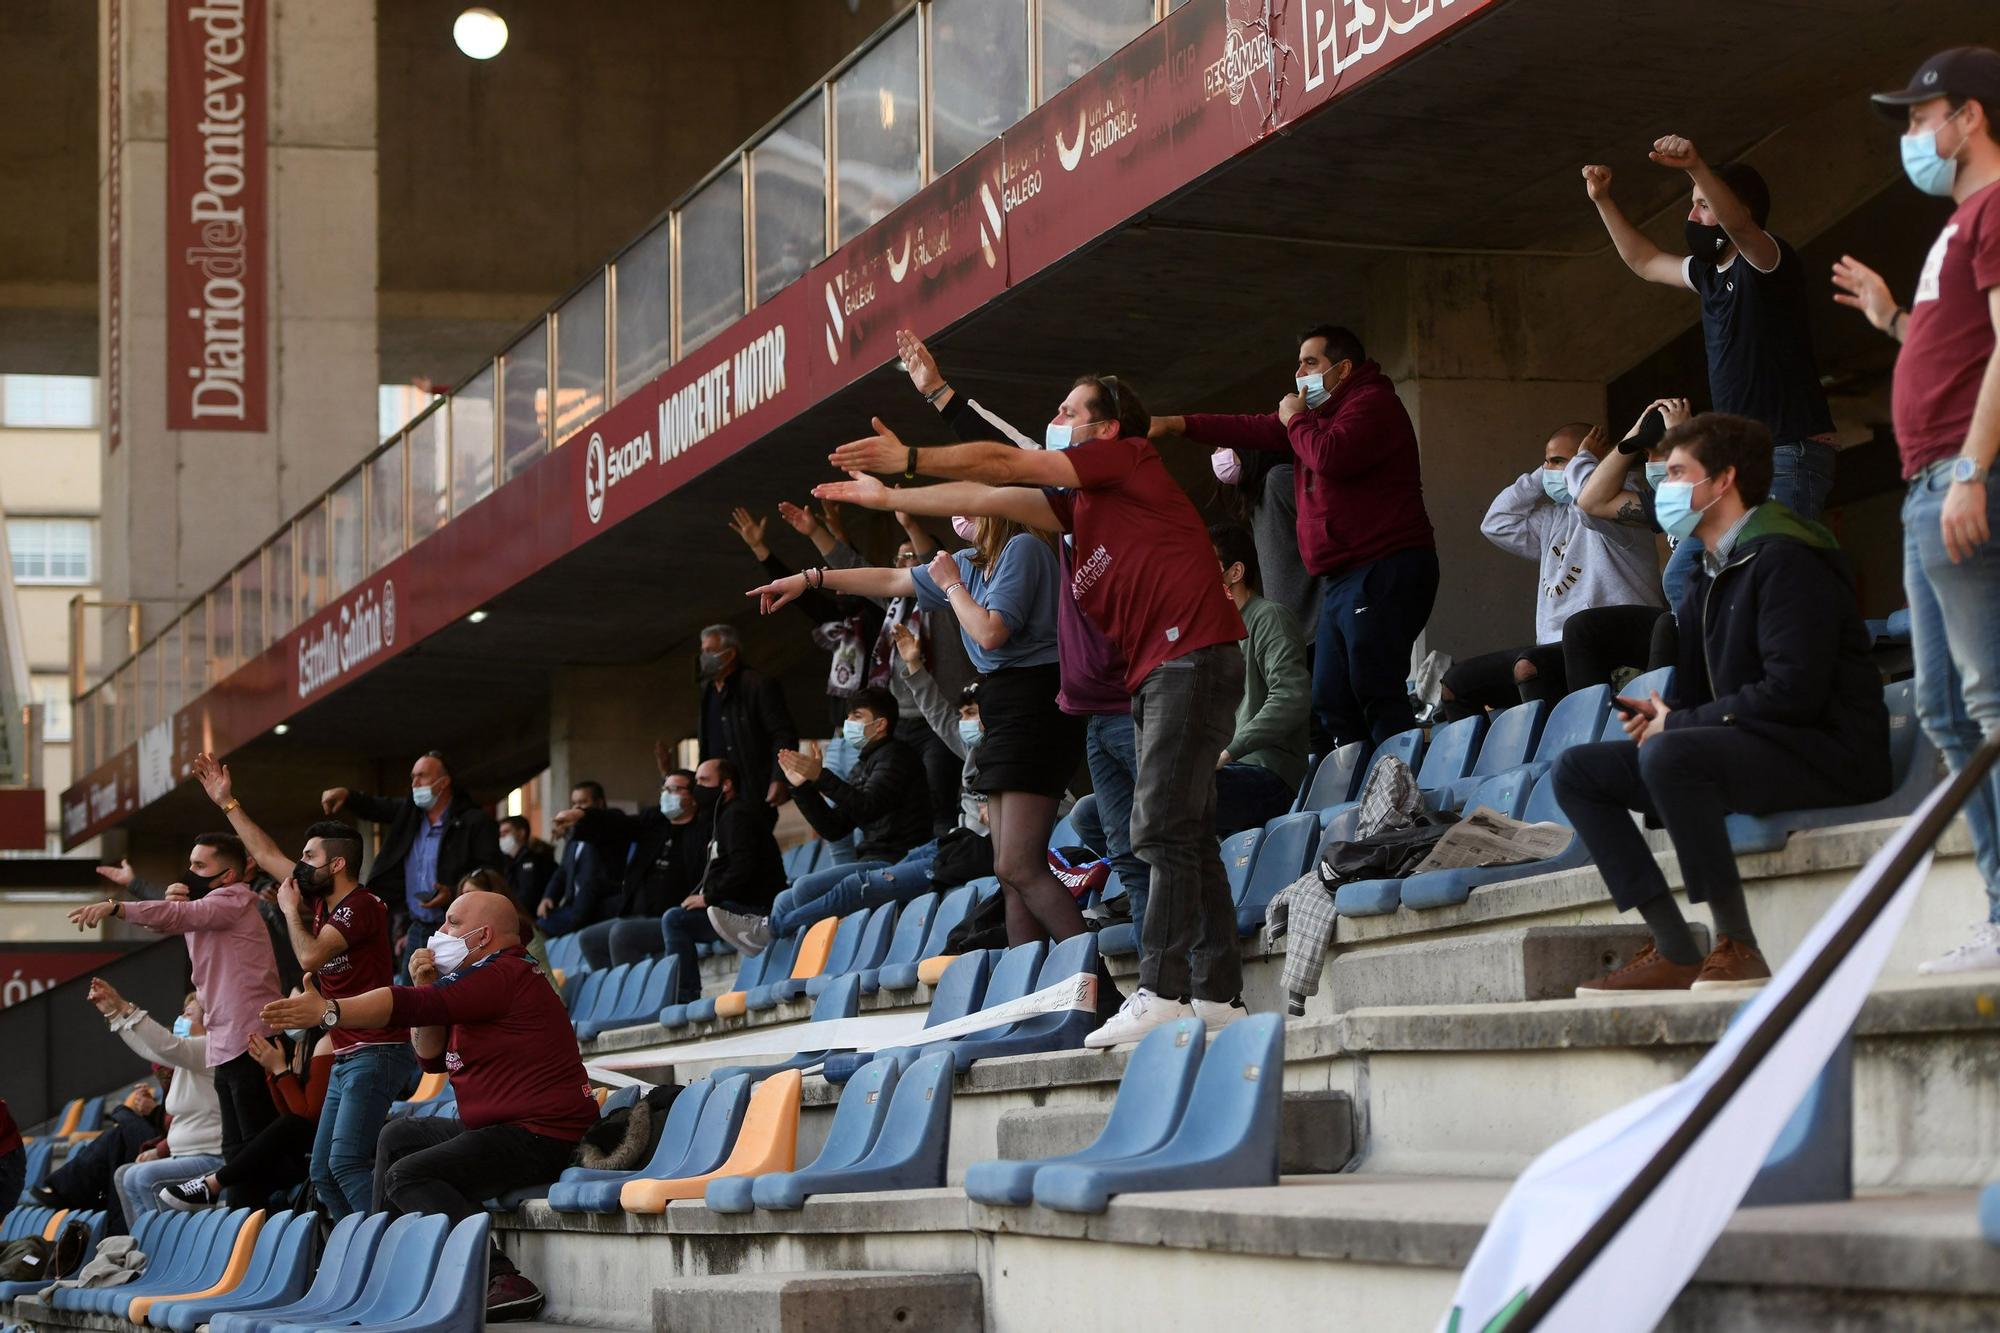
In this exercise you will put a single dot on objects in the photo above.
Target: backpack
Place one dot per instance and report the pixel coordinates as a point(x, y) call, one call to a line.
point(626, 1139)
point(32, 1259)
point(984, 927)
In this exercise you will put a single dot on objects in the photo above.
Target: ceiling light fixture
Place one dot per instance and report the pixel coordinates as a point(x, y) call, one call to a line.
point(281, 729)
point(480, 33)
point(477, 617)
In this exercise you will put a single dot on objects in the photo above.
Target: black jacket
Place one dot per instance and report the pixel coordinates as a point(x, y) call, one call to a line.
point(529, 873)
point(1775, 644)
point(663, 864)
point(887, 797)
point(471, 842)
point(756, 724)
point(745, 868)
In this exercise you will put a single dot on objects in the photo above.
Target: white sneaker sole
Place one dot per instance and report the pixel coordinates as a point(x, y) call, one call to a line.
point(1711, 987)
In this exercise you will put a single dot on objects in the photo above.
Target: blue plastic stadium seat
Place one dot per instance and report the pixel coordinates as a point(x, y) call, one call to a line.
point(1641, 687)
point(1061, 1030)
point(957, 993)
point(840, 1000)
point(1239, 855)
point(773, 964)
point(1447, 888)
point(984, 887)
point(36, 1167)
point(200, 1265)
point(92, 1117)
point(749, 972)
point(1506, 794)
point(909, 1153)
point(906, 945)
point(343, 1271)
point(1899, 624)
point(282, 1277)
point(950, 912)
point(93, 1221)
point(262, 1252)
point(456, 1300)
point(1914, 769)
point(857, 1120)
point(177, 1244)
point(1286, 850)
point(1014, 975)
point(399, 1277)
point(871, 946)
point(1151, 1099)
point(701, 1150)
point(778, 983)
point(600, 997)
point(1064, 833)
point(839, 959)
point(620, 992)
point(1334, 781)
point(1511, 736)
point(564, 1195)
point(1451, 752)
point(639, 1000)
point(1227, 1137)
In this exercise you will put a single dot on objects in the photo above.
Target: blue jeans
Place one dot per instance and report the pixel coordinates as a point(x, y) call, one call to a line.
point(798, 907)
point(1248, 796)
point(860, 888)
point(1368, 622)
point(365, 1079)
point(1801, 479)
point(1955, 637)
point(138, 1183)
point(1111, 748)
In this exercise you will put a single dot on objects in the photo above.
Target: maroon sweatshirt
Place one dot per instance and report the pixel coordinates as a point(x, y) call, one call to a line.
point(1359, 485)
point(512, 1054)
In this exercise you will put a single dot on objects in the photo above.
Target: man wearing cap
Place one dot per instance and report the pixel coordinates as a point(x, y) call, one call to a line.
point(1947, 417)
point(1753, 292)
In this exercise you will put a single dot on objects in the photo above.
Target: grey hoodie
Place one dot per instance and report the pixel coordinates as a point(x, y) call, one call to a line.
point(1585, 562)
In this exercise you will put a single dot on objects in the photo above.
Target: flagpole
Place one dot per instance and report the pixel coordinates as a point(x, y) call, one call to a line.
point(1917, 844)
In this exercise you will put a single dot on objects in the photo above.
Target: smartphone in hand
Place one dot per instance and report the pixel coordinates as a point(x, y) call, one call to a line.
point(1632, 707)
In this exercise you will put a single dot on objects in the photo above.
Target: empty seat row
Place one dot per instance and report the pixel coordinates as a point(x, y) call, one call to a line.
point(625, 996)
point(49, 1224)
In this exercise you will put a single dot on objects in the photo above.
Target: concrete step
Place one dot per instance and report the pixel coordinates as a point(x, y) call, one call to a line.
point(1315, 1132)
point(1487, 966)
point(854, 1301)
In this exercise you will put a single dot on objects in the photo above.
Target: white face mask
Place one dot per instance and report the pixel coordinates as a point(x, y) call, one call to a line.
point(966, 528)
point(449, 952)
point(509, 844)
point(1226, 466)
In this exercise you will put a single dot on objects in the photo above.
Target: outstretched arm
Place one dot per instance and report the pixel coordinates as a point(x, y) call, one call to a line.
point(1644, 258)
point(1731, 214)
point(263, 848)
point(990, 462)
point(1026, 505)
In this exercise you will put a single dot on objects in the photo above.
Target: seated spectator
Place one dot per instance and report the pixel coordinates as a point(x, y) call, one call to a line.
point(669, 850)
point(1585, 561)
point(1259, 771)
point(84, 1178)
point(531, 863)
point(480, 1010)
point(13, 1161)
point(193, 1145)
point(1775, 706)
point(274, 1164)
point(885, 798)
point(585, 883)
point(743, 873)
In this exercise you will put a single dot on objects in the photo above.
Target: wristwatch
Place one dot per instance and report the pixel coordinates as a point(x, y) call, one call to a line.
point(331, 1018)
point(1968, 470)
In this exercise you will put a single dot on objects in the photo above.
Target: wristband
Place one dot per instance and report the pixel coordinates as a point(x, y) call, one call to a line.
point(234, 804)
point(910, 467)
point(936, 394)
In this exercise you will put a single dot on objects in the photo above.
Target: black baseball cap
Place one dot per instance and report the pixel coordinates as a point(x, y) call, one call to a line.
point(1963, 71)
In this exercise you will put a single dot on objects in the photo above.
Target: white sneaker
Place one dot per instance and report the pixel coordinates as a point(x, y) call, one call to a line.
point(1141, 1013)
point(746, 934)
point(1215, 1015)
point(1981, 953)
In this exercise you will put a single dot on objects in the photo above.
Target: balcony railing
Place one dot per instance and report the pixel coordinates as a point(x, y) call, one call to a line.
point(922, 94)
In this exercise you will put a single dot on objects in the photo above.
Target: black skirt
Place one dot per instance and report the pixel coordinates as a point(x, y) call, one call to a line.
point(1030, 744)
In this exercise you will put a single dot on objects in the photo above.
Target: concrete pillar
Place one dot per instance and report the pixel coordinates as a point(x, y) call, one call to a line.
point(182, 507)
point(603, 722)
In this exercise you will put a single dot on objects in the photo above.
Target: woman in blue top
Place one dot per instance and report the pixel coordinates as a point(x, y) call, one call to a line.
point(1002, 590)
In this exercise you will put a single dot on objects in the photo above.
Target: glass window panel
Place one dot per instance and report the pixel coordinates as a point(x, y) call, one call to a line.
point(385, 506)
point(524, 419)
point(344, 505)
point(315, 590)
point(580, 359)
point(979, 75)
point(194, 651)
point(1077, 34)
point(249, 583)
point(221, 632)
point(430, 476)
point(711, 280)
point(63, 402)
point(146, 700)
point(472, 442)
point(875, 107)
point(645, 310)
point(50, 550)
point(126, 705)
point(282, 598)
point(171, 685)
point(52, 693)
point(788, 187)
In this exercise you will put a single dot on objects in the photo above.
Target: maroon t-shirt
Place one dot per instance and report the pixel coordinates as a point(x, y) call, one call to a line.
point(366, 964)
point(512, 1054)
point(10, 1133)
point(1142, 568)
point(1948, 339)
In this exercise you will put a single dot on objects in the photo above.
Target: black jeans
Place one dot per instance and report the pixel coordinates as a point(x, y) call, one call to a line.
point(681, 930)
point(1183, 714)
point(1487, 681)
point(1688, 779)
point(1248, 796)
point(942, 769)
point(246, 1105)
point(622, 939)
point(437, 1165)
point(1603, 639)
point(276, 1160)
point(1368, 622)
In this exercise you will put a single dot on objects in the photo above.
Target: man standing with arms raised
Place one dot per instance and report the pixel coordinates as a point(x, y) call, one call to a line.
point(340, 933)
point(1144, 573)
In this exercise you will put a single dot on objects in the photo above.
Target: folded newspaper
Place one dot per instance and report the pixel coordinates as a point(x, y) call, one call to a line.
point(1488, 838)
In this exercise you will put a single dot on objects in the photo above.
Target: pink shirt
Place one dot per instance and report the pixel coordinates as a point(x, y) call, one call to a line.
point(234, 970)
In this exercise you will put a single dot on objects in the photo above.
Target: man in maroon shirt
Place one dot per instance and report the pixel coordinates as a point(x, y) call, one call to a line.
point(1144, 573)
point(13, 1160)
point(340, 934)
point(483, 1013)
point(1946, 405)
point(1362, 525)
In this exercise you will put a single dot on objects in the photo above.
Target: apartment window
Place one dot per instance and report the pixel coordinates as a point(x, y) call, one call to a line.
point(52, 693)
point(50, 550)
point(59, 401)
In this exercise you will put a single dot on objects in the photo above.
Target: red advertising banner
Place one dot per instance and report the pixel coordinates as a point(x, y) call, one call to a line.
point(218, 368)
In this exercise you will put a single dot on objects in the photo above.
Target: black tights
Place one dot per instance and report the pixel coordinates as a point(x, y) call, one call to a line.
point(1038, 906)
point(274, 1161)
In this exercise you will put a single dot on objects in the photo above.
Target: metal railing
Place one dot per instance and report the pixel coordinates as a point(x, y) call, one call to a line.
point(925, 91)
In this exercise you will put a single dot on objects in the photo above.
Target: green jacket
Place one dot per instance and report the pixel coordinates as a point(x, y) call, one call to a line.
point(1272, 720)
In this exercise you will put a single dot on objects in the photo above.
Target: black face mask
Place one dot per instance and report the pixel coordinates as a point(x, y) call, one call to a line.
point(1704, 242)
point(706, 796)
point(313, 881)
point(199, 885)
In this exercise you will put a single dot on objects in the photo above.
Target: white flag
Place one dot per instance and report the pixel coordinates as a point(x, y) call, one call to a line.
point(1567, 1189)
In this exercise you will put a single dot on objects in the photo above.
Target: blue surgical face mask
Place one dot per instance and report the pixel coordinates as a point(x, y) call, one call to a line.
point(970, 732)
point(672, 804)
point(854, 732)
point(1655, 474)
point(1928, 170)
point(1058, 436)
point(423, 797)
point(1555, 485)
point(1312, 388)
point(1673, 506)
point(183, 1026)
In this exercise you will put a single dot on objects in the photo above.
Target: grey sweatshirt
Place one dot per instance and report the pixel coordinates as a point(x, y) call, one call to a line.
point(1585, 562)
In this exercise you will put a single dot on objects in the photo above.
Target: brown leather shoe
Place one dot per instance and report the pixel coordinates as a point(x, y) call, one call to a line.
point(1733, 966)
point(1649, 971)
